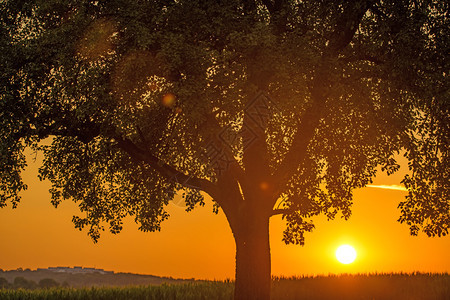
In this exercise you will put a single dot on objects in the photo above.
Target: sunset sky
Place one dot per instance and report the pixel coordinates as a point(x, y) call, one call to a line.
point(200, 245)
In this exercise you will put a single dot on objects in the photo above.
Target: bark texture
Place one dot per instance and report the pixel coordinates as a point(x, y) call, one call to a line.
point(253, 269)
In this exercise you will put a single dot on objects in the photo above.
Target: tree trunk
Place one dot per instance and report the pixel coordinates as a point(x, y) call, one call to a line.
point(253, 270)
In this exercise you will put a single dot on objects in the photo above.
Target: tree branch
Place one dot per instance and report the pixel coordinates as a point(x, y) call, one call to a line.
point(346, 27)
point(166, 170)
point(281, 211)
point(348, 24)
point(255, 156)
point(234, 168)
point(141, 136)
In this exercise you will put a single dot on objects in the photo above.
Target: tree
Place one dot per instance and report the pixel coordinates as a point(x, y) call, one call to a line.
point(47, 283)
point(4, 284)
point(269, 107)
point(22, 283)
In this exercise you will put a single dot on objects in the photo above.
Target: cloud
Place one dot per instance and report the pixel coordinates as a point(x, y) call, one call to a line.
point(388, 187)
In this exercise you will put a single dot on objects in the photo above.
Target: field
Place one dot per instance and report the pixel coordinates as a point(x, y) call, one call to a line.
point(349, 287)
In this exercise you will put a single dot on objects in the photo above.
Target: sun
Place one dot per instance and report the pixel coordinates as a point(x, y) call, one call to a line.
point(346, 254)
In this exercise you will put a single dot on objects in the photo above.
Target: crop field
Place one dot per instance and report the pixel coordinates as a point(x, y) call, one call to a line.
point(371, 286)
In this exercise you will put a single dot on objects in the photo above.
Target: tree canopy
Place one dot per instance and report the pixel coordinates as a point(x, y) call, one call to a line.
point(93, 74)
point(281, 105)
point(269, 107)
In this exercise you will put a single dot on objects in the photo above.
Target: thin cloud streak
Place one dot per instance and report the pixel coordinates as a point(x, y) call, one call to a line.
point(388, 187)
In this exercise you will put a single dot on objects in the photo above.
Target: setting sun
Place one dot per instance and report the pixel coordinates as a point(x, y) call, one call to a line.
point(346, 254)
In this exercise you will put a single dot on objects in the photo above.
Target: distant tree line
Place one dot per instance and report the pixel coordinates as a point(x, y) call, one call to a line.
point(23, 283)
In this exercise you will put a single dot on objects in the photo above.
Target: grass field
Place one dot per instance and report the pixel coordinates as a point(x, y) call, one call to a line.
point(349, 287)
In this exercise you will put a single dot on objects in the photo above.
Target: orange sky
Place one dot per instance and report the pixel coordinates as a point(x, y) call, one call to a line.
point(199, 244)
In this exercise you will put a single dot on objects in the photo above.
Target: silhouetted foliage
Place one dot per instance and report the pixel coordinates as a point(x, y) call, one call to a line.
point(3, 283)
point(78, 280)
point(269, 107)
point(47, 283)
point(22, 283)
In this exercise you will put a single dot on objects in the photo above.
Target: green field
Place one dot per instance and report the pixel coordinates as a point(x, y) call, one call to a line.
point(372, 286)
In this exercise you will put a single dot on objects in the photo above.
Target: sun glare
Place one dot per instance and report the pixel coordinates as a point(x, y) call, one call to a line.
point(346, 254)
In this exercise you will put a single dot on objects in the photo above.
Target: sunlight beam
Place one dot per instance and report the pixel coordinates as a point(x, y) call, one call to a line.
point(388, 187)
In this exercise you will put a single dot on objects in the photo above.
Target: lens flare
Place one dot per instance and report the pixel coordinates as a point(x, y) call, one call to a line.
point(264, 186)
point(98, 40)
point(168, 100)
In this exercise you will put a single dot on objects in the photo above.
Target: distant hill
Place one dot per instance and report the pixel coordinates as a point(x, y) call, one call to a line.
point(90, 279)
